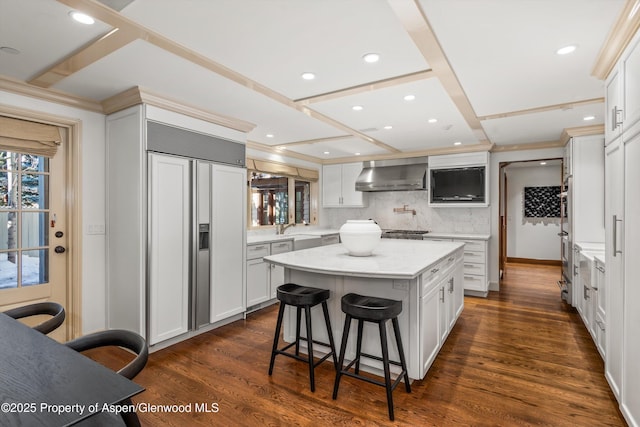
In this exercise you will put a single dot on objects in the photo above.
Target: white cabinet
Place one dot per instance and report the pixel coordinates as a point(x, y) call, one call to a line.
point(168, 246)
point(339, 186)
point(476, 264)
point(258, 288)
point(614, 207)
point(442, 302)
point(622, 209)
point(613, 106)
point(263, 278)
point(630, 69)
point(276, 276)
point(600, 321)
point(630, 244)
point(585, 200)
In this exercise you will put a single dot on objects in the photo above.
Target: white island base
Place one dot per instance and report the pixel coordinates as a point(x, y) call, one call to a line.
point(426, 276)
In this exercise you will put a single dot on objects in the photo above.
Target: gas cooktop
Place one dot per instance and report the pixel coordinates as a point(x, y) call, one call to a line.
point(403, 234)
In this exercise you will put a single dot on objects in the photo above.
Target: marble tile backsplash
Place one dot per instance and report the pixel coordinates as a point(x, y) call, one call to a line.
point(381, 208)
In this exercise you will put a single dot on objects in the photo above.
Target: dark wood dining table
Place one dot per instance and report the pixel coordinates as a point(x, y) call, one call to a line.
point(45, 383)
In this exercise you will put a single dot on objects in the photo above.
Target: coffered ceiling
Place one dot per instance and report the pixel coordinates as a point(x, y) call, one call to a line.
point(482, 73)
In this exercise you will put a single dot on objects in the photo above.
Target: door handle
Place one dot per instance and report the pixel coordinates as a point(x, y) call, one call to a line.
point(59, 249)
point(615, 235)
point(563, 233)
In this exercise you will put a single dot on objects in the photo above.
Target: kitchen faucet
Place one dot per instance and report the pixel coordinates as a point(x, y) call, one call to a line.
point(280, 228)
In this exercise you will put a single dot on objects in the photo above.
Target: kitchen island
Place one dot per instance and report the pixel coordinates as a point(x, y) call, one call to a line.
point(426, 276)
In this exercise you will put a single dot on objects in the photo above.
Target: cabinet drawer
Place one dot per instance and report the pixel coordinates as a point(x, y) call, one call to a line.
point(473, 245)
point(475, 269)
point(474, 257)
point(281, 247)
point(474, 283)
point(257, 251)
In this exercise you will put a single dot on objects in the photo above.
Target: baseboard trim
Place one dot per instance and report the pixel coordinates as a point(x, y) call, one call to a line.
point(535, 261)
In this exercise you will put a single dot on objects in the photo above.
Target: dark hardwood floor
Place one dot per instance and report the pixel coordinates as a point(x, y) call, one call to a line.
point(518, 357)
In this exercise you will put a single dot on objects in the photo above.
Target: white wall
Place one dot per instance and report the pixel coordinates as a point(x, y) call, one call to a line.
point(92, 151)
point(496, 159)
point(531, 239)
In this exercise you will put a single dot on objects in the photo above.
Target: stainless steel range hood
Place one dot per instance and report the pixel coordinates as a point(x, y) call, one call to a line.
point(393, 175)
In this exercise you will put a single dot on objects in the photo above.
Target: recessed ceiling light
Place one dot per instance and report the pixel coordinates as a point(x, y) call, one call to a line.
point(432, 120)
point(327, 152)
point(269, 135)
point(357, 154)
point(308, 76)
point(357, 107)
point(587, 118)
point(388, 127)
point(457, 143)
point(282, 147)
point(543, 163)
point(371, 58)
point(409, 97)
point(566, 49)
point(81, 17)
point(8, 49)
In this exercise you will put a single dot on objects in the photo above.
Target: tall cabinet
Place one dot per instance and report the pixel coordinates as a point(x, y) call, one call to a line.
point(176, 216)
point(623, 231)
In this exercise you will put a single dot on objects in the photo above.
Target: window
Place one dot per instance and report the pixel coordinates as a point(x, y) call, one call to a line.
point(280, 194)
point(269, 199)
point(24, 219)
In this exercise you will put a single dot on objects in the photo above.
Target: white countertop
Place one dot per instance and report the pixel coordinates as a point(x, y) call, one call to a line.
point(590, 246)
point(392, 259)
point(465, 236)
point(290, 234)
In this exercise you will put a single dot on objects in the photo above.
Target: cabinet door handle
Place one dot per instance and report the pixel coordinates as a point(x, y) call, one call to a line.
point(615, 235)
point(616, 117)
point(442, 294)
point(451, 285)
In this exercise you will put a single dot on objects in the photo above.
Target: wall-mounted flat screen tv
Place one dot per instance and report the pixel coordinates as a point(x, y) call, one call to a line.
point(458, 185)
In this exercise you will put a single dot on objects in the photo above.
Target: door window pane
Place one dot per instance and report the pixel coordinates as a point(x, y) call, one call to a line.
point(34, 192)
point(34, 267)
point(303, 197)
point(8, 270)
point(24, 219)
point(34, 229)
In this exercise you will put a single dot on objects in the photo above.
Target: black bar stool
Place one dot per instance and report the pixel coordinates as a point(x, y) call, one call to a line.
point(375, 310)
point(303, 297)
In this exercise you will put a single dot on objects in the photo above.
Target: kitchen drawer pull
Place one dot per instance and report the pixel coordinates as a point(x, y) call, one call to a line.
point(435, 270)
point(258, 248)
point(600, 269)
point(450, 259)
point(472, 265)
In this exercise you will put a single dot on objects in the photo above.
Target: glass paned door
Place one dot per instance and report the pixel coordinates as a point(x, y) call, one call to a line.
point(24, 220)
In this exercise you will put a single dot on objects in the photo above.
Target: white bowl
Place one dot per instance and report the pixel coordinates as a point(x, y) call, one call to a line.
point(360, 237)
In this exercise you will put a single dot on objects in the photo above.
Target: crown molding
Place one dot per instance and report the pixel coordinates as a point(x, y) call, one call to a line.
point(409, 154)
point(137, 95)
point(529, 146)
point(269, 149)
point(623, 31)
point(21, 88)
point(581, 131)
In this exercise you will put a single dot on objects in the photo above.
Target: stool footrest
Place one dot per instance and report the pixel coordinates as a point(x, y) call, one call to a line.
point(283, 351)
point(346, 372)
point(378, 358)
